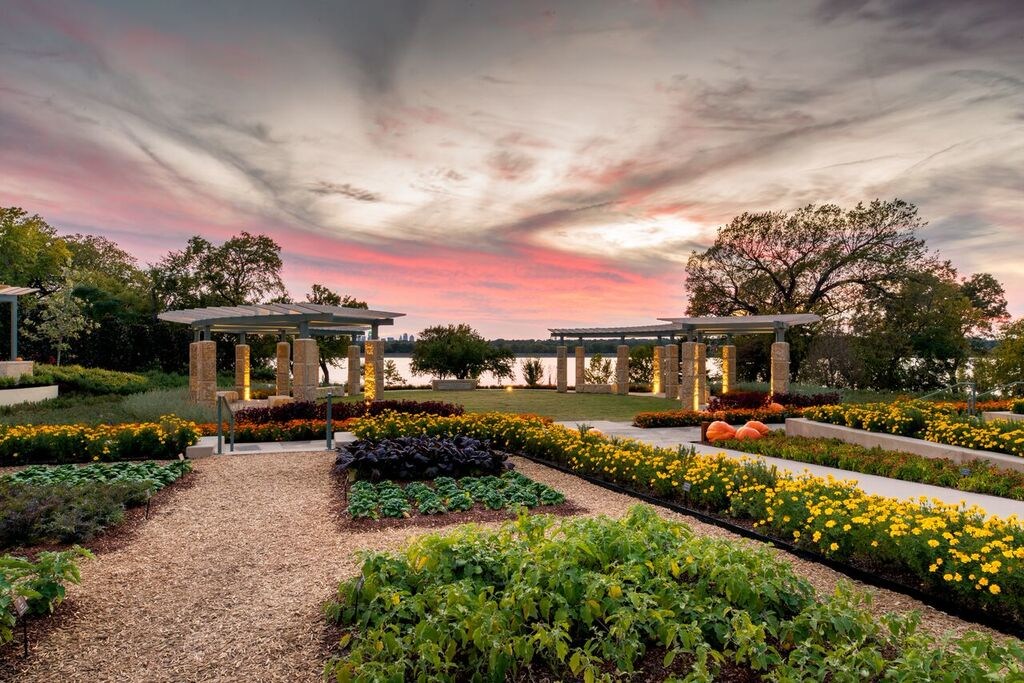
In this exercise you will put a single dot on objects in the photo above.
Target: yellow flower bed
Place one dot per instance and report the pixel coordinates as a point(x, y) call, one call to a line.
point(70, 443)
point(957, 551)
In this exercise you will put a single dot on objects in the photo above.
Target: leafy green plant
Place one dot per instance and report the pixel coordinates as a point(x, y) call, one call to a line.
point(533, 371)
point(41, 583)
point(601, 599)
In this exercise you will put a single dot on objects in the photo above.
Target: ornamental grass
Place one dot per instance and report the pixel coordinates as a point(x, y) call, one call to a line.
point(957, 551)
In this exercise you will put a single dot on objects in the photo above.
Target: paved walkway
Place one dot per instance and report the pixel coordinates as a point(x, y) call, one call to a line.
point(671, 437)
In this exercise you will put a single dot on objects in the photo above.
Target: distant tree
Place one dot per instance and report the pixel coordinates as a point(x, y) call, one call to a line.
point(641, 365)
point(1005, 364)
point(533, 371)
point(31, 254)
point(60, 320)
point(599, 370)
point(988, 298)
point(333, 349)
point(392, 377)
point(458, 351)
point(245, 269)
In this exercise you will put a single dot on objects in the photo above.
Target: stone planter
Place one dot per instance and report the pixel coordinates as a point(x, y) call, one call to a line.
point(16, 368)
point(594, 388)
point(10, 397)
point(454, 384)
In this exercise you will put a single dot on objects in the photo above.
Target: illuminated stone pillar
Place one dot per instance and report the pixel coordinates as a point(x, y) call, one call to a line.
point(562, 369)
point(283, 372)
point(670, 361)
point(353, 370)
point(728, 368)
point(581, 367)
point(373, 378)
point(242, 371)
point(203, 366)
point(688, 380)
point(622, 370)
point(780, 368)
point(700, 372)
point(306, 365)
point(657, 370)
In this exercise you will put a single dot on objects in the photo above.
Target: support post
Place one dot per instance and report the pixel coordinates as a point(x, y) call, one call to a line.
point(283, 372)
point(671, 362)
point(581, 368)
point(14, 328)
point(353, 370)
point(622, 370)
point(689, 381)
point(728, 368)
point(658, 370)
point(306, 362)
point(373, 380)
point(242, 371)
point(700, 371)
point(780, 368)
point(561, 369)
point(202, 372)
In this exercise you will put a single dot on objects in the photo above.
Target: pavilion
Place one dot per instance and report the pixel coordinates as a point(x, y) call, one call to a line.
point(15, 367)
point(300, 321)
point(681, 369)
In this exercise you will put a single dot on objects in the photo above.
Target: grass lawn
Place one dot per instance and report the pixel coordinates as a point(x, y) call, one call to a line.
point(568, 406)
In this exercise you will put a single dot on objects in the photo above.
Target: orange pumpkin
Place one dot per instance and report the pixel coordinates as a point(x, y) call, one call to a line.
point(747, 434)
point(776, 407)
point(759, 426)
point(719, 430)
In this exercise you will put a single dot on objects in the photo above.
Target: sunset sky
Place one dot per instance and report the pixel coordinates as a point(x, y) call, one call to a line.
point(515, 164)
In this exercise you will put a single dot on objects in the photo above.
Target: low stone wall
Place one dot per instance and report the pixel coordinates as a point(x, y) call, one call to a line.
point(16, 368)
point(594, 388)
point(454, 384)
point(798, 426)
point(1002, 415)
point(10, 397)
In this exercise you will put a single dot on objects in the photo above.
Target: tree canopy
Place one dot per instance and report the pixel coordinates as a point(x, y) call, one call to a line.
point(458, 351)
point(332, 349)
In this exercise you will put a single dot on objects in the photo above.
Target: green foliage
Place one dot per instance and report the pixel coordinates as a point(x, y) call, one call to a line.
point(335, 348)
point(31, 254)
point(978, 477)
point(392, 377)
point(387, 499)
point(68, 504)
point(593, 599)
point(598, 371)
point(41, 583)
point(641, 365)
point(60, 319)
point(1017, 407)
point(93, 381)
point(533, 371)
point(458, 351)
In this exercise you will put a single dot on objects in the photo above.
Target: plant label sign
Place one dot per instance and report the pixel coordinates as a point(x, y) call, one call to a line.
point(20, 605)
point(687, 486)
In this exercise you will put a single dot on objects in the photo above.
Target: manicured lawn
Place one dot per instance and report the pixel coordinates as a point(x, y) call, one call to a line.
point(545, 402)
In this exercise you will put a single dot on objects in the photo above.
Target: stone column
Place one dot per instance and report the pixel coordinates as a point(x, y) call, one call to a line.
point(670, 361)
point(581, 367)
point(562, 369)
point(283, 372)
point(203, 367)
point(700, 371)
point(688, 382)
point(353, 370)
point(657, 370)
point(306, 364)
point(242, 371)
point(780, 368)
point(622, 370)
point(373, 378)
point(728, 368)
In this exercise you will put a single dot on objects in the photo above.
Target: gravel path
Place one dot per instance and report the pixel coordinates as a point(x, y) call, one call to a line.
point(226, 581)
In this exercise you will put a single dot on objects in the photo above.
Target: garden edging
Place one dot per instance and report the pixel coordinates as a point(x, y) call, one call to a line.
point(799, 426)
point(10, 397)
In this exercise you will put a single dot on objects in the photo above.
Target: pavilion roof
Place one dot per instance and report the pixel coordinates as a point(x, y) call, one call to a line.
point(732, 324)
point(293, 318)
point(8, 292)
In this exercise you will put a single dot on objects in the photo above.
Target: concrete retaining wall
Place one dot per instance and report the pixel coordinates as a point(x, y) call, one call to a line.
point(1002, 415)
point(10, 397)
point(454, 384)
point(798, 426)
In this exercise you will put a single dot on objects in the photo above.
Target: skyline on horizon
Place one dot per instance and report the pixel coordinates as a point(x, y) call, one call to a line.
point(515, 166)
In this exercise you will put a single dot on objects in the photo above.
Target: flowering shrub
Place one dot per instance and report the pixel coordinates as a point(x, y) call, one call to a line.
point(953, 550)
point(342, 410)
point(639, 598)
point(762, 399)
point(693, 418)
point(30, 444)
point(935, 422)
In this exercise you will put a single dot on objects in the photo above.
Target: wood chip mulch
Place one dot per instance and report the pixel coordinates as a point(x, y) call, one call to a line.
point(226, 582)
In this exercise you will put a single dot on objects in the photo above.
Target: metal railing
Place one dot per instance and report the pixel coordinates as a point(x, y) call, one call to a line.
point(972, 394)
point(222, 403)
point(330, 435)
point(1001, 387)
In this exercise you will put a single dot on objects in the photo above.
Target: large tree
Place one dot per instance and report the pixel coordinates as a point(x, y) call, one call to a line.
point(818, 259)
point(458, 351)
point(31, 253)
point(333, 349)
point(245, 269)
